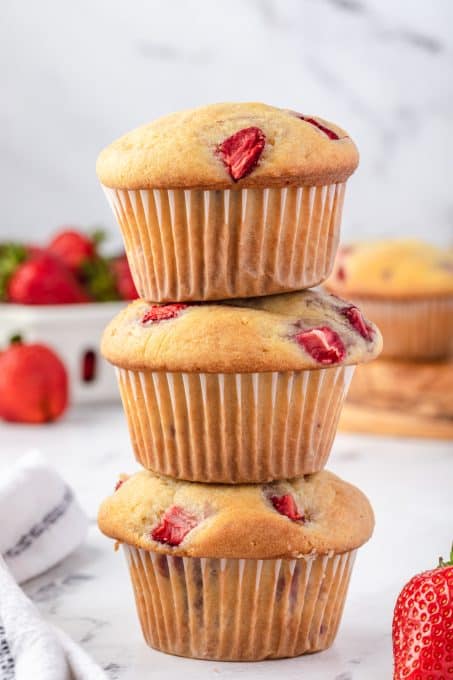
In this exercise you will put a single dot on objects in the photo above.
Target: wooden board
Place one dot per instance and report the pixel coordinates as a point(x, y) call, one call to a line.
point(401, 398)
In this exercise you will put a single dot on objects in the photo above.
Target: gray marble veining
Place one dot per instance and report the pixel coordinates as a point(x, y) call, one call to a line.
point(77, 77)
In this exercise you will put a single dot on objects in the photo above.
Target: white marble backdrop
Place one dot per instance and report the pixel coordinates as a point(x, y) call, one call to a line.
point(75, 75)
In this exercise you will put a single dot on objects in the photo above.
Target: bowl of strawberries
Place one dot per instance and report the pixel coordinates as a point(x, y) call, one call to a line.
point(62, 294)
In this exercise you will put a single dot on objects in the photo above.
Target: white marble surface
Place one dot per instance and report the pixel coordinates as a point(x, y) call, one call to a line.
point(77, 75)
point(408, 481)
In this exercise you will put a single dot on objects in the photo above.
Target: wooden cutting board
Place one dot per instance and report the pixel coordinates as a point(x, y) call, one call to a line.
point(401, 398)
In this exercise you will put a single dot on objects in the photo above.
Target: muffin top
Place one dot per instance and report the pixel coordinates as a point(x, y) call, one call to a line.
point(317, 513)
point(295, 331)
point(399, 268)
point(223, 146)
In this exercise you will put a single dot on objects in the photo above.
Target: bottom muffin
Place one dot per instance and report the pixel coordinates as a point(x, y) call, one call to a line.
point(242, 572)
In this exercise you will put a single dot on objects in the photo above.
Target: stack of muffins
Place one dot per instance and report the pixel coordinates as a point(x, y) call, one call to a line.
point(232, 375)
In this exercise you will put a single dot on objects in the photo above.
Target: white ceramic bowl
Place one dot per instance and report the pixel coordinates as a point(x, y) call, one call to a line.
point(73, 331)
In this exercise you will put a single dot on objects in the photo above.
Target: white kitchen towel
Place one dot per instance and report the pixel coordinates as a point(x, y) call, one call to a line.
point(41, 523)
point(30, 648)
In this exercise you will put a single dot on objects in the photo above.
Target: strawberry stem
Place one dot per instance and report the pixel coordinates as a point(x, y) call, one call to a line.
point(11, 256)
point(98, 236)
point(15, 339)
point(442, 562)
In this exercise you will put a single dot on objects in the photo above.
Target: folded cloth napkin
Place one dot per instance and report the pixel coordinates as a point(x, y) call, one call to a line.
point(41, 524)
point(41, 520)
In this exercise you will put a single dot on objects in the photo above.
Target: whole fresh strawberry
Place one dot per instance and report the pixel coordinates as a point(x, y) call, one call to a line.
point(33, 384)
point(73, 248)
point(123, 277)
point(423, 626)
point(44, 280)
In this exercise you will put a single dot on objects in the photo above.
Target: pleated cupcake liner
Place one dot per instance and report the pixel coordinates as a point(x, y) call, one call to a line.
point(412, 329)
point(233, 428)
point(239, 609)
point(209, 245)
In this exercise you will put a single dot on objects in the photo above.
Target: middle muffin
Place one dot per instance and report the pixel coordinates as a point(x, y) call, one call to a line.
point(239, 391)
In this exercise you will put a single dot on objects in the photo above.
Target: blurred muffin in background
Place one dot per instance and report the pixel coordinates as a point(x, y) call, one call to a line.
point(406, 287)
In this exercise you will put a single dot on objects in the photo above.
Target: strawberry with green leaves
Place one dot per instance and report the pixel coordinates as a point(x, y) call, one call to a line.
point(423, 626)
point(44, 280)
point(69, 270)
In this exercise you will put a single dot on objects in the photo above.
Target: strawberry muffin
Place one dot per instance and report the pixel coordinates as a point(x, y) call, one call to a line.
point(240, 391)
point(406, 287)
point(238, 572)
point(228, 200)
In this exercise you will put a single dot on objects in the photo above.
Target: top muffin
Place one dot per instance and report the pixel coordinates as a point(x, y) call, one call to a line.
point(224, 145)
point(394, 268)
point(291, 332)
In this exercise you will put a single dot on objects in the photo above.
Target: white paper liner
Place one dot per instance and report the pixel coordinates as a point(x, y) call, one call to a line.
point(412, 329)
point(208, 245)
point(234, 428)
point(237, 609)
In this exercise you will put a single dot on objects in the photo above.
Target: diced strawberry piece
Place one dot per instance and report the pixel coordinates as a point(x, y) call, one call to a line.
point(355, 318)
point(174, 526)
point(323, 344)
point(158, 313)
point(286, 505)
point(343, 252)
point(240, 153)
point(330, 133)
point(123, 478)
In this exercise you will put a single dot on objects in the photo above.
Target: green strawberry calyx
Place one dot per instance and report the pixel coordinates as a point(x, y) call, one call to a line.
point(11, 256)
point(98, 278)
point(442, 562)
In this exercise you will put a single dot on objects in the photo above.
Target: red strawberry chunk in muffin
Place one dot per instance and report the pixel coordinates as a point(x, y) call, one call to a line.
point(158, 313)
point(240, 153)
point(323, 344)
point(286, 505)
point(174, 526)
point(341, 273)
point(355, 318)
point(330, 133)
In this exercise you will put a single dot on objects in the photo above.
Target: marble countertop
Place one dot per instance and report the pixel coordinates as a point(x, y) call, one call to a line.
point(408, 481)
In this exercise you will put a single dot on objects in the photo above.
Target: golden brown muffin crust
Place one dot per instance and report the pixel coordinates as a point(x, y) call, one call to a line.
point(181, 150)
point(392, 269)
point(241, 521)
point(241, 336)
